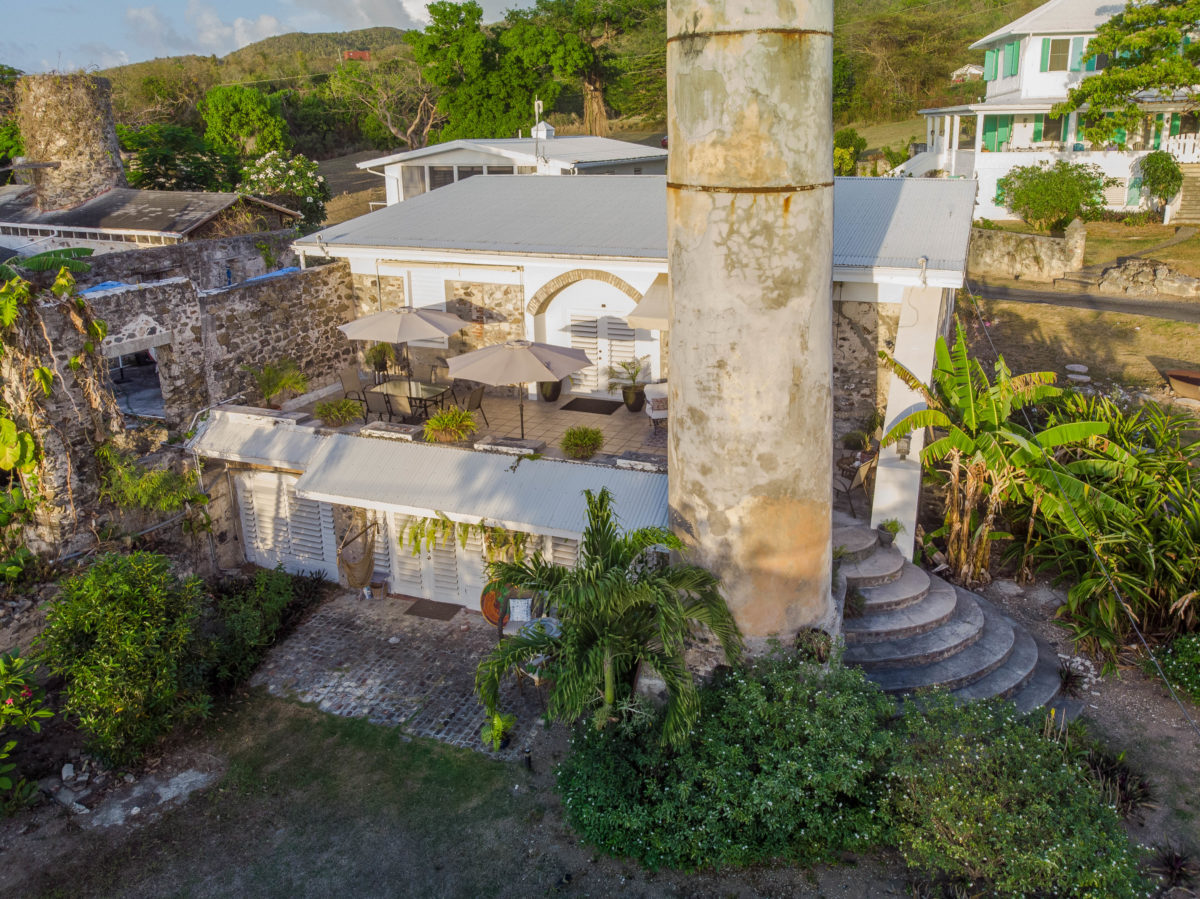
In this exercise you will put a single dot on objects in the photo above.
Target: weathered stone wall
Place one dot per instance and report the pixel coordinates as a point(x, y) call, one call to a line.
point(68, 119)
point(202, 339)
point(207, 263)
point(1028, 257)
point(370, 292)
point(860, 384)
point(1146, 278)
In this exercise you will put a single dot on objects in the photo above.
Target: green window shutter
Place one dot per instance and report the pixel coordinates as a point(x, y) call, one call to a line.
point(1039, 122)
point(1045, 55)
point(1004, 125)
point(989, 132)
point(1012, 58)
point(1176, 121)
point(989, 65)
point(1134, 194)
point(1090, 65)
point(1119, 136)
point(1158, 130)
point(1076, 53)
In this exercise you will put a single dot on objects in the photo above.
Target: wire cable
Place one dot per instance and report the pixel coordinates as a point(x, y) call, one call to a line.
point(1086, 536)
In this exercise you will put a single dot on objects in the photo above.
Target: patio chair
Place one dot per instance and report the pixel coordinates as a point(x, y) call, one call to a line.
point(475, 401)
point(352, 384)
point(864, 479)
point(377, 404)
point(656, 404)
point(402, 409)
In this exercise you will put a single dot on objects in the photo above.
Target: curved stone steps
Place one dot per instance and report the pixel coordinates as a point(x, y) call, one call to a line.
point(855, 543)
point(880, 567)
point(1009, 677)
point(1043, 684)
point(934, 609)
point(978, 660)
point(908, 589)
point(958, 632)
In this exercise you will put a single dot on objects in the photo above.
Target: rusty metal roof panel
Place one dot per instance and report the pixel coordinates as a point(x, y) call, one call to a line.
point(543, 496)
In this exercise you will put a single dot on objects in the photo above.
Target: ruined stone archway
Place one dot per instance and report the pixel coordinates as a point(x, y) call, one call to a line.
point(548, 291)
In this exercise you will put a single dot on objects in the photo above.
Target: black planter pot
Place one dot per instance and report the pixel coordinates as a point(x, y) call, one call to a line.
point(550, 390)
point(635, 398)
point(504, 741)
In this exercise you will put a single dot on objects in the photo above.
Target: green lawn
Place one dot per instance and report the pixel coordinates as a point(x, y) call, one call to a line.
point(891, 134)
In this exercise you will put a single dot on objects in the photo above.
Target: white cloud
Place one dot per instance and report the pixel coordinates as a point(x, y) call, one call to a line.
point(95, 53)
point(154, 31)
point(218, 36)
point(351, 14)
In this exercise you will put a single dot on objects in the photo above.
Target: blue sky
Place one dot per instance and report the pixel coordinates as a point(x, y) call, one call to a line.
point(45, 35)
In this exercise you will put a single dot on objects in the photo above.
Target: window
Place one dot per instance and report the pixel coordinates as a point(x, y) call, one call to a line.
point(440, 176)
point(1097, 63)
point(499, 169)
point(527, 170)
point(469, 171)
point(1048, 128)
point(412, 180)
point(1056, 54)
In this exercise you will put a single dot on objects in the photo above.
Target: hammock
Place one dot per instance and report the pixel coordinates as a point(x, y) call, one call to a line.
point(356, 553)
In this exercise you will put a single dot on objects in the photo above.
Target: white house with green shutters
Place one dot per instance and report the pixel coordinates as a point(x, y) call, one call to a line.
point(1029, 66)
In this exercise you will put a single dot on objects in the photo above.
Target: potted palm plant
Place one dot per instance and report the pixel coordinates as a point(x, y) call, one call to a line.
point(627, 377)
point(450, 425)
point(380, 356)
point(276, 377)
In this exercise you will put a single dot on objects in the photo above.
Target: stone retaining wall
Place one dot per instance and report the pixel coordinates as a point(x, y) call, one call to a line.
point(1147, 278)
point(1027, 257)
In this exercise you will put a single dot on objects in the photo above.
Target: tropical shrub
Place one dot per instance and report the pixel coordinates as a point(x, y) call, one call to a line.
point(1049, 196)
point(21, 706)
point(785, 762)
point(380, 356)
point(1161, 176)
point(978, 797)
point(123, 636)
point(581, 442)
point(249, 612)
point(1181, 664)
point(336, 413)
point(291, 181)
point(986, 458)
point(276, 377)
point(449, 425)
point(1138, 523)
point(622, 606)
point(131, 486)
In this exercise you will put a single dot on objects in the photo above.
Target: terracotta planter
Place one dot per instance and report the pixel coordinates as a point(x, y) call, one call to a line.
point(635, 398)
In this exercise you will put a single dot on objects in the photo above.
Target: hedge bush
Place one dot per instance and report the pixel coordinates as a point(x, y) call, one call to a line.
point(978, 797)
point(785, 764)
point(123, 636)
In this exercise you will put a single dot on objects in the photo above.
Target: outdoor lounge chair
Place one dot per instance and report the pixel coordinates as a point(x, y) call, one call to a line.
point(864, 479)
point(656, 404)
point(402, 409)
point(352, 385)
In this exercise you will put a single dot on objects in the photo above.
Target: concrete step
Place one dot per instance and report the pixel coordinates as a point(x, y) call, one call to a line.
point(958, 632)
point(845, 520)
point(934, 609)
point(881, 567)
point(855, 542)
point(1043, 685)
point(908, 589)
point(1009, 677)
point(977, 661)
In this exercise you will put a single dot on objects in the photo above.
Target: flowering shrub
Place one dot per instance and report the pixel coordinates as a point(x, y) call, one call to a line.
point(1181, 664)
point(20, 706)
point(291, 181)
point(785, 763)
point(982, 799)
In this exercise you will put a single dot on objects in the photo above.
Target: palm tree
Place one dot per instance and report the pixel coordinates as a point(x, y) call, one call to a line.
point(988, 458)
point(620, 607)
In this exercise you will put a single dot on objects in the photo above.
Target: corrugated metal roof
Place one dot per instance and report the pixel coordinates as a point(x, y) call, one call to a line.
point(238, 434)
point(1057, 17)
point(890, 222)
point(567, 151)
point(894, 222)
point(126, 209)
point(542, 496)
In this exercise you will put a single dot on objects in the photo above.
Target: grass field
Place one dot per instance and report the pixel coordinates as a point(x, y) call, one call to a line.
point(891, 134)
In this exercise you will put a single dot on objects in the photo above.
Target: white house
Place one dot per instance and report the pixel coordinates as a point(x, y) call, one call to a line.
point(410, 174)
point(1029, 66)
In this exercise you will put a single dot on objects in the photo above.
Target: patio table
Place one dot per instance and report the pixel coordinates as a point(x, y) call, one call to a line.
point(418, 392)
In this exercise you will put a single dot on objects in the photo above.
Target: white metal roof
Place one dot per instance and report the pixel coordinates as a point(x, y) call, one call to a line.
point(566, 151)
point(241, 434)
point(1057, 17)
point(878, 222)
point(543, 496)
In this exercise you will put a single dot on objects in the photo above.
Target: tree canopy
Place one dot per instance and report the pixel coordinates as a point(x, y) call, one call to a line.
point(1151, 54)
point(395, 93)
point(242, 121)
point(171, 157)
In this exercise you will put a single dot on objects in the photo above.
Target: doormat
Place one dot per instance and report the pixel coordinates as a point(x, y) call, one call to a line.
point(438, 611)
point(597, 407)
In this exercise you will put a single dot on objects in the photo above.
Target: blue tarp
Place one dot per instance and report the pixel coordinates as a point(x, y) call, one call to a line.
point(283, 271)
point(104, 285)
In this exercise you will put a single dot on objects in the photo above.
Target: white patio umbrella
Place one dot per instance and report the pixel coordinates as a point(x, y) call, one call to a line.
point(402, 325)
point(651, 311)
point(518, 362)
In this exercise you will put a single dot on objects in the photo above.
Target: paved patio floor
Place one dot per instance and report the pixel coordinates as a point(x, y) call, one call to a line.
point(367, 658)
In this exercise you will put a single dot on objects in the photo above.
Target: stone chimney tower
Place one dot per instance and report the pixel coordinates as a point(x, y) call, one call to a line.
point(68, 119)
point(750, 249)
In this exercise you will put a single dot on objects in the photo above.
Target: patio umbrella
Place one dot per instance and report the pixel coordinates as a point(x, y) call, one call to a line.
point(518, 362)
point(402, 325)
point(652, 311)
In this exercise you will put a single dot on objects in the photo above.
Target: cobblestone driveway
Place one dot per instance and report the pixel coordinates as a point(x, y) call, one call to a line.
point(366, 658)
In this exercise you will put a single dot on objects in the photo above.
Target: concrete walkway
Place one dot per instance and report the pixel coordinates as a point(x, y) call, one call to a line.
point(1172, 310)
point(368, 659)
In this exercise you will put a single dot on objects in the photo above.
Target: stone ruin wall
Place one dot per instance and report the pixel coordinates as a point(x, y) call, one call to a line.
point(1026, 257)
point(860, 383)
point(68, 120)
point(207, 263)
